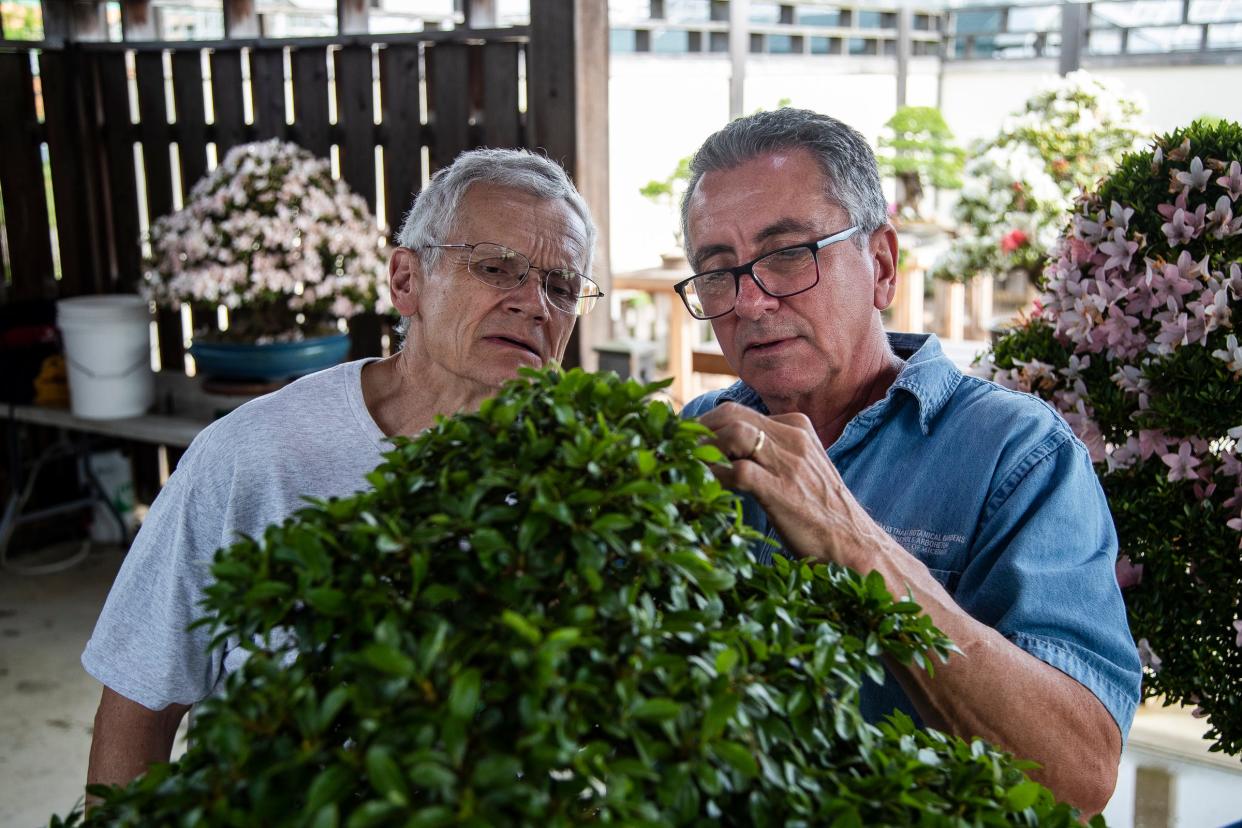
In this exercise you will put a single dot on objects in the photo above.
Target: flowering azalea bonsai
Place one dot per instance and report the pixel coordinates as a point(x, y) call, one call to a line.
point(1020, 183)
point(546, 613)
point(270, 235)
point(1136, 343)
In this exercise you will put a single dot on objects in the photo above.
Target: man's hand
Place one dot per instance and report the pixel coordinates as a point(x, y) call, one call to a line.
point(128, 738)
point(795, 483)
point(993, 689)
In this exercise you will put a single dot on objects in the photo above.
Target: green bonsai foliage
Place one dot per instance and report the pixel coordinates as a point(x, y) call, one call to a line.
point(916, 147)
point(1136, 343)
point(667, 191)
point(545, 614)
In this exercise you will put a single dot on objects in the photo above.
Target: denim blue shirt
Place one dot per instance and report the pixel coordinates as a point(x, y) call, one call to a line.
point(991, 490)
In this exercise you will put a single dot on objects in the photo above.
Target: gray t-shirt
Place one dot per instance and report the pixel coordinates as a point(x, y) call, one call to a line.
point(250, 469)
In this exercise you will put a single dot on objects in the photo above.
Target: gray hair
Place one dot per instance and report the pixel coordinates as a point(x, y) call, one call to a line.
point(434, 213)
point(843, 155)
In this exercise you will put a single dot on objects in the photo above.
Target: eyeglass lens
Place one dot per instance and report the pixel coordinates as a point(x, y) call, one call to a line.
point(503, 268)
point(782, 273)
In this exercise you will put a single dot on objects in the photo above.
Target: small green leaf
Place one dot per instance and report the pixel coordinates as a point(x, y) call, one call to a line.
point(385, 776)
point(464, 695)
point(656, 709)
point(1023, 795)
point(738, 757)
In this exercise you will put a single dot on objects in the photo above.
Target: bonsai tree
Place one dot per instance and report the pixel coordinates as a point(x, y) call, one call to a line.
point(545, 613)
point(1136, 343)
point(667, 193)
point(917, 146)
point(1020, 184)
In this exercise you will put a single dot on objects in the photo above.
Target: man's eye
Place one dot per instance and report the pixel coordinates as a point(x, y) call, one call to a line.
point(715, 281)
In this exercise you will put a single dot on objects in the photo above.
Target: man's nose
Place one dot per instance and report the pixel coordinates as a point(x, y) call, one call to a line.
point(751, 301)
point(529, 297)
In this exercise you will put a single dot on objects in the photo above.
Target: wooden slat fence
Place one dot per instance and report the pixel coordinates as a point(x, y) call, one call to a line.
point(122, 123)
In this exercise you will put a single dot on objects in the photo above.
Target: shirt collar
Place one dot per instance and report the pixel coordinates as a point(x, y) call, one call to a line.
point(928, 375)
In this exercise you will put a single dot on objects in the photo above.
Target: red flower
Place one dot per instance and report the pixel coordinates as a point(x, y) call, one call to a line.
point(1012, 240)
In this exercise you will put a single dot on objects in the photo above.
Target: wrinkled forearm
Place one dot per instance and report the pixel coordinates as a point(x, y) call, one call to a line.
point(996, 691)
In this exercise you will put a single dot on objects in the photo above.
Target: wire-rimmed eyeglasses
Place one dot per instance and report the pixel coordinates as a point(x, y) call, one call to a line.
point(780, 273)
point(505, 269)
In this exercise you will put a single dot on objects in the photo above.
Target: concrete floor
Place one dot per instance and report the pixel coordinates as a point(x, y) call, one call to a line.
point(49, 700)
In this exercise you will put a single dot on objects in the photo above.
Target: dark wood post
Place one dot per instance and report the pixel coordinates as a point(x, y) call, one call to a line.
point(241, 20)
point(567, 116)
point(138, 20)
point(353, 16)
point(74, 20)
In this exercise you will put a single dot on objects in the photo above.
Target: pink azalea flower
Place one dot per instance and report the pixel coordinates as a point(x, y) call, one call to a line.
point(1232, 181)
point(1119, 251)
point(1221, 220)
point(1185, 226)
point(1166, 211)
point(1152, 441)
point(1181, 465)
point(1196, 177)
point(1119, 216)
point(1231, 466)
point(1128, 574)
point(1231, 354)
point(1203, 493)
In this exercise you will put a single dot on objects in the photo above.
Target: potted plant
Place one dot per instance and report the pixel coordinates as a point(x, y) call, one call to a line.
point(667, 192)
point(1135, 342)
point(1020, 183)
point(916, 146)
point(288, 251)
point(545, 613)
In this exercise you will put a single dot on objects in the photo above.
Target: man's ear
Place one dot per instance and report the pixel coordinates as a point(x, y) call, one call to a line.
point(883, 250)
point(405, 279)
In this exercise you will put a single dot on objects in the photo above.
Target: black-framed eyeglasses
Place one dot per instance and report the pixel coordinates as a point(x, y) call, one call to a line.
point(500, 267)
point(785, 272)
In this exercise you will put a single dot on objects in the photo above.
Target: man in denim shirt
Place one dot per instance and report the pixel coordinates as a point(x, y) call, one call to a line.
point(977, 500)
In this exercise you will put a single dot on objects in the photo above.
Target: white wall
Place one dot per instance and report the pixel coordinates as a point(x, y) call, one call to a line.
point(662, 107)
point(978, 96)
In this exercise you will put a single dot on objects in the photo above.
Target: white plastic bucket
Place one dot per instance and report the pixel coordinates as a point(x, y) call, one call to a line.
point(108, 355)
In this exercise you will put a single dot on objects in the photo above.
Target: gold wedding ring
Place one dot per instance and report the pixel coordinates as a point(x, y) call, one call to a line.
point(759, 441)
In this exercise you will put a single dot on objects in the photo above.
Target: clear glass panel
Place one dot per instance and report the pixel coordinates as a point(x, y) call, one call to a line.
point(1137, 12)
point(1227, 36)
point(978, 21)
point(819, 46)
point(621, 40)
point(870, 20)
point(1210, 11)
point(781, 44)
point(1034, 18)
point(1104, 42)
point(812, 16)
point(670, 41)
point(1173, 38)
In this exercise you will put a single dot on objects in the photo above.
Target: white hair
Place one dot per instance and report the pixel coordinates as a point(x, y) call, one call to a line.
point(433, 215)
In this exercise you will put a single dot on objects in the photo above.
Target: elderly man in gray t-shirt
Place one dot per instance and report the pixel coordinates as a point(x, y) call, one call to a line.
point(488, 277)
